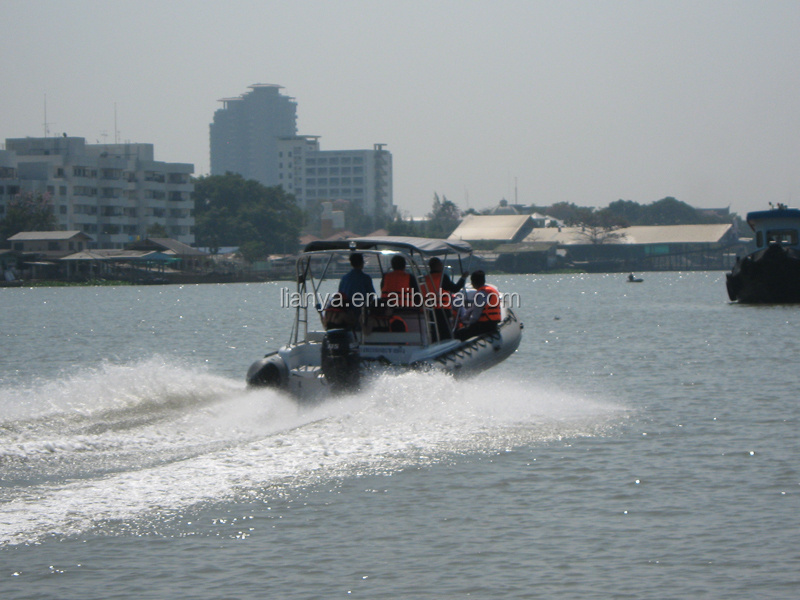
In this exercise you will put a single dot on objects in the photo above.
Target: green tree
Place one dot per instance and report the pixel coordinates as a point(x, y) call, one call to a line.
point(28, 212)
point(401, 226)
point(670, 211)
point(625, 211)
point(355, 220)
point(571, 214)
point(157, 230)
point(443, 218)
point(233, 211)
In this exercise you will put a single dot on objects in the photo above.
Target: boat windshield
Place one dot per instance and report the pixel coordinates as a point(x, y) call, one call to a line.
point(785, 237)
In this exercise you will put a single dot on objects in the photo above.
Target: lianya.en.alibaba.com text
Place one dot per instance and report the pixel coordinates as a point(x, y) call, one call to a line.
point(405, 299)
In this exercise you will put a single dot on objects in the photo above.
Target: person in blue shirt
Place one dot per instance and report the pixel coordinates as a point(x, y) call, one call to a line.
point(356, 286)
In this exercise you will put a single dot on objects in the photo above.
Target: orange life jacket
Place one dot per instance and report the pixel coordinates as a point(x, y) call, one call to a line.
point(337, 303)
point(397, 285)
point(433, 284)
point(491, 312)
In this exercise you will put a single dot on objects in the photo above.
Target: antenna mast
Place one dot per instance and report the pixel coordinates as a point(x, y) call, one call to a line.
point(45, 116)
point(46, 123)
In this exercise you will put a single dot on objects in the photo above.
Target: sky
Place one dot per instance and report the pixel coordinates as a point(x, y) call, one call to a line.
point(536, 102)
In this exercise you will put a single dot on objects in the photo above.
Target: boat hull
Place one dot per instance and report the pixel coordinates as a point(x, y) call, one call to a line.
point(307, 373)
point(769, 276)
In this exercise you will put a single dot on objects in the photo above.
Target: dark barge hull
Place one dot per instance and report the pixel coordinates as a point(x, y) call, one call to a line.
point(769, 276)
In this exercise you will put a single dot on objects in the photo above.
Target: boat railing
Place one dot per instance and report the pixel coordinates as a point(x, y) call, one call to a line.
point(315, 267)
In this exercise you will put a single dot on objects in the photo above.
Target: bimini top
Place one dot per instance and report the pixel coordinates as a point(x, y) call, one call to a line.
point(782, 212)
point(425, 246)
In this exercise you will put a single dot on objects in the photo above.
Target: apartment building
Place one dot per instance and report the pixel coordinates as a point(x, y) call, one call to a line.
point(112, 192)
point(255, 135)
point(361, 177)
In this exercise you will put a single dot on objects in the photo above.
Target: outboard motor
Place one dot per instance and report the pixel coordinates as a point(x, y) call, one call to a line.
point(340, 360)
point(269, 371)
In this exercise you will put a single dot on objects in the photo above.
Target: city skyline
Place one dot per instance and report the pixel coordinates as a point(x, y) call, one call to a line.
point(588, 102)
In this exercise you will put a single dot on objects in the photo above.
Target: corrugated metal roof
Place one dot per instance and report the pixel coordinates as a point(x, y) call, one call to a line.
point(177, 247)
point(24, 236)
point(489, 227)
point(102, 254)
point(563, 235)
point(654, 234)
point(167, 245)
point(121, 255)
point(525, 247)
point(675, 234)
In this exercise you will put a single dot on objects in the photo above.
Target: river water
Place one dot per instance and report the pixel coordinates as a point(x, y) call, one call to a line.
point(642, 443)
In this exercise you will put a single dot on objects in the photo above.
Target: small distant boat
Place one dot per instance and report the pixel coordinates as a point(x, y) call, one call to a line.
point(771, 274)
point(320, 360)
point(634, 279)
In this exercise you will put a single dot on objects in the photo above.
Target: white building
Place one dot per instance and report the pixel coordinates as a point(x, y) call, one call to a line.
point(314, 176)
point(255, 135)
point(111, 192)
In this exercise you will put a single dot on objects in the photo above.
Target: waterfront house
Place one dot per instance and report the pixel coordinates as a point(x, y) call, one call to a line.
point(49, 244)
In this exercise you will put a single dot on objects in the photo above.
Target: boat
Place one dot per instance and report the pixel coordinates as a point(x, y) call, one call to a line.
point(633, 279)
point(323, 358)
point(770, 274)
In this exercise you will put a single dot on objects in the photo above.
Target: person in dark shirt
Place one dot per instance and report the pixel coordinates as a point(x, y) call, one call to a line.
point(356, 287)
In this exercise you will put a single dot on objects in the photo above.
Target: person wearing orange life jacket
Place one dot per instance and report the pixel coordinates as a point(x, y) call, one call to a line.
point(398, 287)
point(335, 314)
point(440, 284)
point(484, 315)
point(439, 289)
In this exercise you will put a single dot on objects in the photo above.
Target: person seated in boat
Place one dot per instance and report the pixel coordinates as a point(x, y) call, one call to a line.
point(484, 315)
point(398, 287)
point(356, 288)
point(439, 290)
point(462, 302)
point(631, 277)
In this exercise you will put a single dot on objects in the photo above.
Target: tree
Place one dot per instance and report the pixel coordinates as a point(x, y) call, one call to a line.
point(355, 219)
point(28, 212)
point(156, 230)
point(401, 226)
point(626, 211)
point(670, 211)
point(598, 234)
point(443, 218)
point(571, 214)
point(232, 211)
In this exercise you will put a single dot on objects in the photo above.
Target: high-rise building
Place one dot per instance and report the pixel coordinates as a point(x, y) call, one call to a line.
point(112, 192)
point(255, 135)
point(245, 131)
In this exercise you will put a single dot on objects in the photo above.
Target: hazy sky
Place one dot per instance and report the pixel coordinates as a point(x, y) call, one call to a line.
point(576, 101)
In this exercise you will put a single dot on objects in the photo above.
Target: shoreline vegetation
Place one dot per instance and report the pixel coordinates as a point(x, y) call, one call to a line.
point(30, 283)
